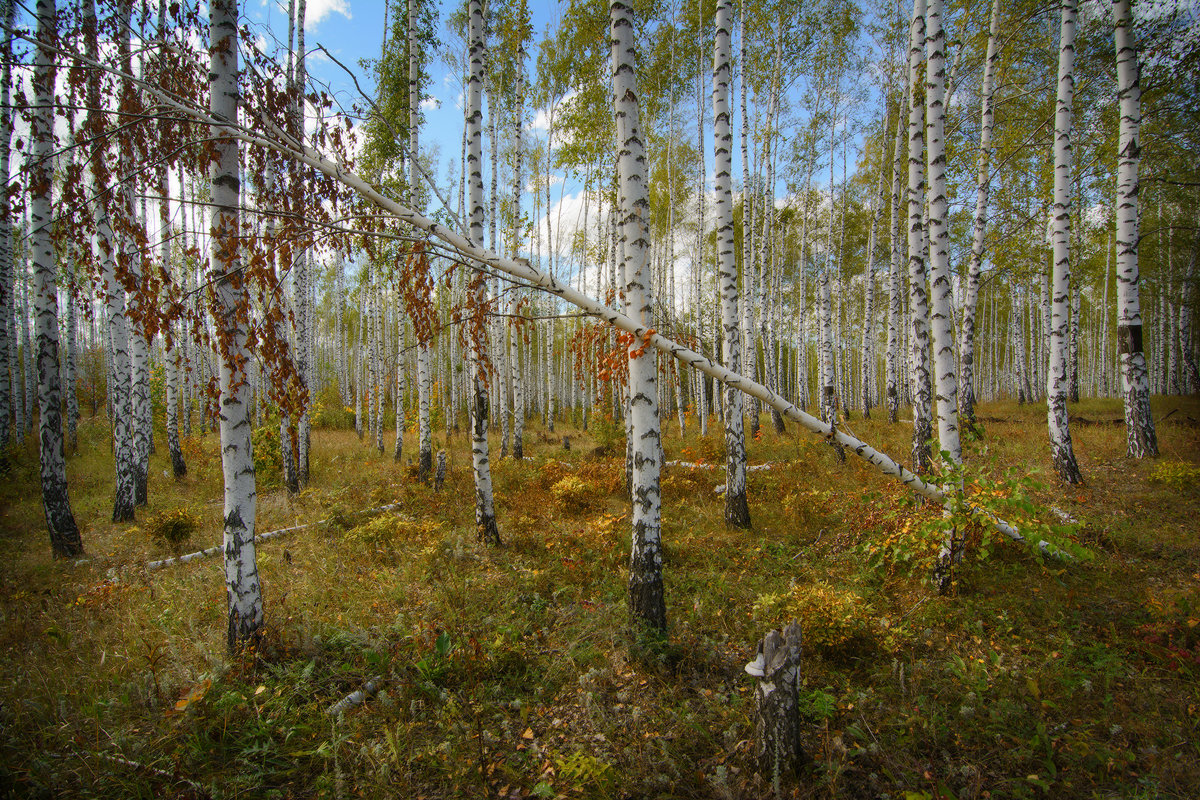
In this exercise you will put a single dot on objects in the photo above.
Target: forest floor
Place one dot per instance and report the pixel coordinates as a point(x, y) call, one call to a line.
point(512, 672)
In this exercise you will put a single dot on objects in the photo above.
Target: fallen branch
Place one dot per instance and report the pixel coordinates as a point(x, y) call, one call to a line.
point(258, 537)
point(356, 698)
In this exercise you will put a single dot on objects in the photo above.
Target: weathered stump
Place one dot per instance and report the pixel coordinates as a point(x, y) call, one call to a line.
point(566, 443)
point(440, 476)
point(777, 705)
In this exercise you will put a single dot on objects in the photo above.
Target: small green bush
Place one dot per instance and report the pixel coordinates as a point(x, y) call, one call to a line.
point(608, 433)
point(268, 457)
point(836, 622)
point(1176, 475)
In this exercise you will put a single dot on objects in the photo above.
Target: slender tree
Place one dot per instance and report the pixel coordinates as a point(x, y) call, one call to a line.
point(230, 306)
point(485, 512)
point(737, 510)
point(646, 601)
point(1141, 439)
point(1058, 377)
point(64, 533)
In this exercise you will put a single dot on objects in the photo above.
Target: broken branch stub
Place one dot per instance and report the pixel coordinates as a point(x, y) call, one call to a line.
point(777, 705)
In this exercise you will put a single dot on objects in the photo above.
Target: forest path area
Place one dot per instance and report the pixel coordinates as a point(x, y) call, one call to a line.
point(511, 671)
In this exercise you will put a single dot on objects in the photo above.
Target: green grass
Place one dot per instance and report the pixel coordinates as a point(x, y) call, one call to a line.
point(513, 672)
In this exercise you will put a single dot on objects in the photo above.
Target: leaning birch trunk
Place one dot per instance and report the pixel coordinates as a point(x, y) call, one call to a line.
point(523, 271)
point(1058, 377)
point(1141, 440)
point(230, 306)
point(777, 749)
point(983, 182)
point(485, 512)
point(114, 293)
point(646, 603)
point(64, 533)
point(918, 297)
point(7, 306)
point(737, 510)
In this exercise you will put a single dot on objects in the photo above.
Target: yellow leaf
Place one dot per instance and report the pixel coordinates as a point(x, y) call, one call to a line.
point(528, 734)
point(259, 690)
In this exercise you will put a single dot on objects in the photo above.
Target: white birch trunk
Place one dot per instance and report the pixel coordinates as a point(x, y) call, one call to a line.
point(1141, 439)
point(485, 512)
point(983, 182)
point(230, 308)
point(64, 533)
point(939, 236)
point(918, 303)
point(8, 350)
point(646, 601)
point(737, 511)
point(1058, 378)
point(118, 328)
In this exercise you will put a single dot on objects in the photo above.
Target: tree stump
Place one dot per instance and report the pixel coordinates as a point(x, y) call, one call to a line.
point(440, 476)
point(777, 707)
point(566, 443)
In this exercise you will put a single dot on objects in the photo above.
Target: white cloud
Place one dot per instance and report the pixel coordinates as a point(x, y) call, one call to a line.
point(320, 9)
point(430, 103)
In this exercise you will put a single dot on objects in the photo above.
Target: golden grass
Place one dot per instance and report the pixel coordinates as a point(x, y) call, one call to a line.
point(512, 672)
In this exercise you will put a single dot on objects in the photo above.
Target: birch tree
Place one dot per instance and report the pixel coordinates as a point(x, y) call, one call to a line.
point(485, 512)
point(1141, 440)
point(64, 533)
point(646, 602)
point(918, 297)
point(8, 350)
point(230, 307)
point(737, 511)
point(1058, 377)
point(983, 182)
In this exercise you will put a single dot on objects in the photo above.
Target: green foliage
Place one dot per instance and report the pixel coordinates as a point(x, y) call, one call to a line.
point(328, 413)
point(1177, 475)
point(173, 528)
point(268, 456)
point(607, 432)
point(836, 622)
point(912, 542)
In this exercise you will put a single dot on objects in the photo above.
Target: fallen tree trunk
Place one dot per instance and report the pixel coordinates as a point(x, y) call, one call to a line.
point(356, 698)
point(212, 551)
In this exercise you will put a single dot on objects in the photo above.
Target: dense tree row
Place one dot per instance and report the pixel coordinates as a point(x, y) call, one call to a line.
point(930, 207)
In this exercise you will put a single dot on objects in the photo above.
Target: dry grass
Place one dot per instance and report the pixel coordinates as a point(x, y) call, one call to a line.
point(512, 672)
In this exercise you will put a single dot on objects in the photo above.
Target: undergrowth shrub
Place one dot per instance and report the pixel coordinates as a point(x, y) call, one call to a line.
point(268, 456)
point(172, 529)
point(608, 433)
point(837, 623)
point(328, 413)
point(573, 495)
point(1176, 475)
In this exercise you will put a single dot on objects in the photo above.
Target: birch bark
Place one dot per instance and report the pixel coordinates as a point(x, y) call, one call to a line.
point(983, 182)
point(1141, 439)
point(646, 603)
point(918, 298)
point(64, 533)
point(737, 510)
point(485, 513)
point(1058, 377)
point(230, 305)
